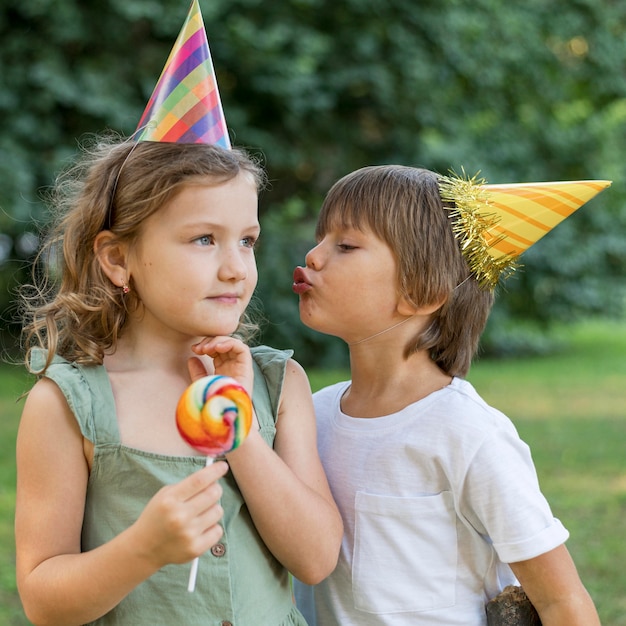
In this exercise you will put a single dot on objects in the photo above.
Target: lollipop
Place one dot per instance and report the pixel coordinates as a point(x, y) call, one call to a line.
point(213, 415)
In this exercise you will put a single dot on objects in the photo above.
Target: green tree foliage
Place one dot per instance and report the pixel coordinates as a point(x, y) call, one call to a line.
point(520, 91)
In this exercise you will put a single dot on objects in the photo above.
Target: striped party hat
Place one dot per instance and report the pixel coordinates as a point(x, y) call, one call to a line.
point(496, 223)
point(185, 105)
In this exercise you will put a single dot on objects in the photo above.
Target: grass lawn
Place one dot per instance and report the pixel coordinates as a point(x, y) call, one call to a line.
point(569, 407)
point(12, 384)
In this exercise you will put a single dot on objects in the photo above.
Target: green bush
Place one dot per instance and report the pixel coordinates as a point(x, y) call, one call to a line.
point(527, 91)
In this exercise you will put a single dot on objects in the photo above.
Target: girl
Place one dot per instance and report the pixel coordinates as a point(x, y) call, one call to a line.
point(438, 494)
point(154, 256)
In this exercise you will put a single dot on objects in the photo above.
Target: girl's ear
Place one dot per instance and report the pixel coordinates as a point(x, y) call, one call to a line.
point(112, 256)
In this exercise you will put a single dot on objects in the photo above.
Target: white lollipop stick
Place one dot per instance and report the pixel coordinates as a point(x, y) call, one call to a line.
point(193, 574)
point(207, 402)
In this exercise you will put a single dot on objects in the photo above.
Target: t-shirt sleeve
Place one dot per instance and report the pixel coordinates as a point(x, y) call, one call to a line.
point(502, 499)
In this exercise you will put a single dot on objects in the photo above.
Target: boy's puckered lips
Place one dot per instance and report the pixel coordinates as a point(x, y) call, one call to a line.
point(300, 283)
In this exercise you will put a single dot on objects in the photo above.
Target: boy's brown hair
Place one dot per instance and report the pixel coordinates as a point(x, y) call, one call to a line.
point(402, 206)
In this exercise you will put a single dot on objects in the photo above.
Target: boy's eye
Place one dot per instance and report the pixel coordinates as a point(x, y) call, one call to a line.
point(344, 247)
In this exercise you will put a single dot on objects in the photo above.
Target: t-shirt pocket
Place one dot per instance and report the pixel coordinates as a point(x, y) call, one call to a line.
point(405, 553)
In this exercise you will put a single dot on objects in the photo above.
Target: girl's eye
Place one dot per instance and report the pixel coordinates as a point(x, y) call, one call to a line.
point(344, 247)
point(205, 240)
point(249, 242)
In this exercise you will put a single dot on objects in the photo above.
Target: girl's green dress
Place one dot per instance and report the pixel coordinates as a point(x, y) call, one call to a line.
point(239, 582)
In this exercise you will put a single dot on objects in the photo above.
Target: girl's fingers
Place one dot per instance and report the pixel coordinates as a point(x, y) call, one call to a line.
point(219, 345)
point(196, 368)
point(201, 480)
point(231, 357)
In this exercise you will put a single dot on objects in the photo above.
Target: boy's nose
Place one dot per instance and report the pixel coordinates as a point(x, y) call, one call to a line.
point(313, 257)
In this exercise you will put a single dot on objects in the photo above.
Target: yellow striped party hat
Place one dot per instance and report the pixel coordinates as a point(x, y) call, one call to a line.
point(185, 106)
point(496, 223)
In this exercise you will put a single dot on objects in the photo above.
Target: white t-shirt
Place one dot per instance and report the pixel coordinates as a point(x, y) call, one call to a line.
point(435, 500)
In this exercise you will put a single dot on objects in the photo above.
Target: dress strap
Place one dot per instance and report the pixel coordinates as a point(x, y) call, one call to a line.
point(269, 373)
point(88, 393)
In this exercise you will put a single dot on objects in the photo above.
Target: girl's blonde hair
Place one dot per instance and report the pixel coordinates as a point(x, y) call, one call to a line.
point(402, 206)
point(73, 309)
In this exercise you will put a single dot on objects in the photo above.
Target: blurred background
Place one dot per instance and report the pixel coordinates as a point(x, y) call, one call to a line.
point(520, 91)
point(528, 91)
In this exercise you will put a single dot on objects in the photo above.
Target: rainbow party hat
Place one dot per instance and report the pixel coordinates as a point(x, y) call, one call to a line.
point(495, 224)
point(185, 105)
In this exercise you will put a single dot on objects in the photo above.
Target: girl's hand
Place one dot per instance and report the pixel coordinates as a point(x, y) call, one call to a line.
point(181, 521)
point(231, 357)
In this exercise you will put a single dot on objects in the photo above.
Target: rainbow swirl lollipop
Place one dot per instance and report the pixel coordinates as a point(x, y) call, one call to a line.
point(214, 415)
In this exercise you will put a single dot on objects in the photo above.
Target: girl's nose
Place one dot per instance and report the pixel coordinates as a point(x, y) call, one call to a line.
point(232, 266)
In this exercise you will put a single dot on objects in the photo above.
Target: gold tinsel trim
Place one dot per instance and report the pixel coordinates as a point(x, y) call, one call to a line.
point(471, 219)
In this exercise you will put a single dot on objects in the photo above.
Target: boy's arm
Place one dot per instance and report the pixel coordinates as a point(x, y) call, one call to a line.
point(552, 584)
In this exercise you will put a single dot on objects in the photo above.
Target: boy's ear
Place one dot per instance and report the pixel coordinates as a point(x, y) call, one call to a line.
point(408, 308)
point(112, 256)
